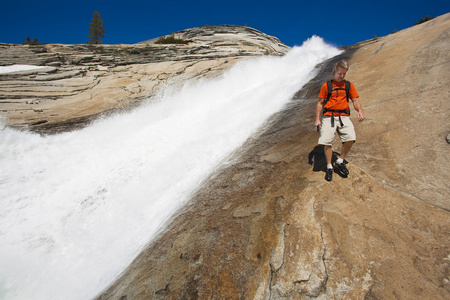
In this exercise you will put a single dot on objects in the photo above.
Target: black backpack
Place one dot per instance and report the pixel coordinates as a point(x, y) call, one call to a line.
point(330, 90)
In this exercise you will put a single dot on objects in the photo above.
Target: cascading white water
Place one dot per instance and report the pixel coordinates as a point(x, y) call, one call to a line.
point(77, 207)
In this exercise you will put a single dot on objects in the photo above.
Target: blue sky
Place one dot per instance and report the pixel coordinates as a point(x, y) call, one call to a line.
point(128, 22)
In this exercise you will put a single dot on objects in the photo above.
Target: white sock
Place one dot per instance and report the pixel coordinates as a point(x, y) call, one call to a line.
point(339, 161)
point(329, 166)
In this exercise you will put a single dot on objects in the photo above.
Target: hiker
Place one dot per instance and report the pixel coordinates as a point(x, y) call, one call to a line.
point(334, 104)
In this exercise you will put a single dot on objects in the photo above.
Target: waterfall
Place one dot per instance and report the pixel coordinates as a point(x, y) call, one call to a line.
point(78, 207)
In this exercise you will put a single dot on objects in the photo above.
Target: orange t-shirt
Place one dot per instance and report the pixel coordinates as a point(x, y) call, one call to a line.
point(338, 99)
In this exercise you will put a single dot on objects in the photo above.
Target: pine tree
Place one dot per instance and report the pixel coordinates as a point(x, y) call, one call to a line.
point(96, 31)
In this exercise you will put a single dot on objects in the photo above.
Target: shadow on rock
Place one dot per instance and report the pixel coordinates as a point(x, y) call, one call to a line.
point(317, 159)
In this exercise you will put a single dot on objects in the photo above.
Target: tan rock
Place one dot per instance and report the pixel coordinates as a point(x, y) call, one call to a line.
point(89, 80)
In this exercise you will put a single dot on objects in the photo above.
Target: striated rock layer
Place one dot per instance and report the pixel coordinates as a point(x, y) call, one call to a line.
point(268, 227)
point(82, 81)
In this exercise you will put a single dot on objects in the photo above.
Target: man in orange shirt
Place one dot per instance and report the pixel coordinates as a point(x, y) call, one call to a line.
point(336, 111)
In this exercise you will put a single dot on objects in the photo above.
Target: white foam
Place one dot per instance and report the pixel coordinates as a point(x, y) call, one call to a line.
point(79, 206)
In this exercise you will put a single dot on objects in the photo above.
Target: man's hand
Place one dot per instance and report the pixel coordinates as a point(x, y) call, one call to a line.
point(360, 116)
point(318, 124)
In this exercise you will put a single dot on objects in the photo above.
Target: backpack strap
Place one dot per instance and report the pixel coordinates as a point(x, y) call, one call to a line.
point(330, 91)
point(347, 88)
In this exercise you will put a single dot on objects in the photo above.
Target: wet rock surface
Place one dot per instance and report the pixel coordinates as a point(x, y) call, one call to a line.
point(266, 226)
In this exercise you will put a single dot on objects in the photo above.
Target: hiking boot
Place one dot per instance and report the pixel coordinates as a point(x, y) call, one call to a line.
point(341, 169)
point(329, 175)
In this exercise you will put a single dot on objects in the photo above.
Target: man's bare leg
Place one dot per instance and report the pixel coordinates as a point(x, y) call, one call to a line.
point(339, 165)
point(345, 149)
point(328, 153)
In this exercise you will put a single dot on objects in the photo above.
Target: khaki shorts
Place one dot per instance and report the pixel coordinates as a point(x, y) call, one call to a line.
point(327, 133)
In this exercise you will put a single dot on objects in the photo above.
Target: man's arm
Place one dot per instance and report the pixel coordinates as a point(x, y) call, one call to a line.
point(319, 109)
point(357, 106)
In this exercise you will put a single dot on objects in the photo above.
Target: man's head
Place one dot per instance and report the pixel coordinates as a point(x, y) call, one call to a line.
point(340, 70)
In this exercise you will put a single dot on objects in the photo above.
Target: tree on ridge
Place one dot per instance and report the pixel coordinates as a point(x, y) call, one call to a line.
point(96, 31)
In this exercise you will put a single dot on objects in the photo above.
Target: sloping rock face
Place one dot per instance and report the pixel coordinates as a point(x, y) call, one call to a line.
point(82, 81)
point(268, 227)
